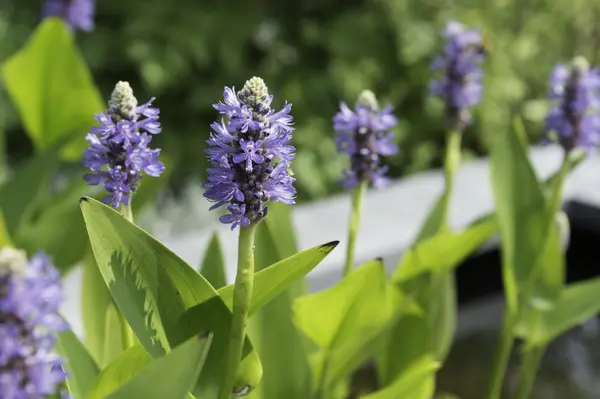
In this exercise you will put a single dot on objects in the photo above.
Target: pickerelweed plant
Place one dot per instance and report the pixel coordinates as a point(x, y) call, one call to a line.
point(363, 134)
point(574, 122)
point(156, 328)
point(250, 158)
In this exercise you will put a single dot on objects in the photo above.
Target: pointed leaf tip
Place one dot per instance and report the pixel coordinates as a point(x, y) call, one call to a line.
point(330, 245)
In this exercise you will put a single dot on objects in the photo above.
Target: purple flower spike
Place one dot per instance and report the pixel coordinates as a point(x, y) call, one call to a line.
point(575, 117)
point(121, 144)
point(363, 134)
point(459, 85)
point(78, 14)
point(250, 155)
point(30, 295)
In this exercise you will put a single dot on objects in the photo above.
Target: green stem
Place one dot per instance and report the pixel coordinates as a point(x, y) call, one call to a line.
point(502, 356)
point(557, 189)
point(529, 366)
point(451, 164)
point(127, 335)
point(242, 295)
point(355, 215)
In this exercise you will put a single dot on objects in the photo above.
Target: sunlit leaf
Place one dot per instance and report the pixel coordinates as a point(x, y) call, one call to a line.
point(164, 299)
point(417, 382)
point(52, 88)
point(342, 319)
point(171, 376)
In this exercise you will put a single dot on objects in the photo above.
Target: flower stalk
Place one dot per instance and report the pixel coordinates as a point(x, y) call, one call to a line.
point(355, 216)
point(242, 296)
point(363, 134)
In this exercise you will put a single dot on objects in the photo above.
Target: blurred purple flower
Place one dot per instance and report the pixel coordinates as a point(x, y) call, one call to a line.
point(250, 155)
point(575, 117)
point(363, 134)
point(78, 14)
point(460, 84)
point(121, 144)
point(30, 296)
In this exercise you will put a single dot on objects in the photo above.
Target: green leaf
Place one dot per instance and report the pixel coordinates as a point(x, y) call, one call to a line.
point(577, 303)
point(521, 210)
point(112, 345)
point(95, 300)
point(52, 88)
point(444, 250)
point(28, 185)
point(435, 219)
point(417, 382)
point(164, 299)
point(5, 240)
point(213, 267)
point(171, 376)
point(119, 371)
point(39, 233)
point(342, 319)
point(272, 281)
point(272, 328)
point(396, 357)
point(441, 313)
point(81, 367)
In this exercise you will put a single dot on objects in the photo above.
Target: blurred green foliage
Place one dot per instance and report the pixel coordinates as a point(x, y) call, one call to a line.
point(315, 53)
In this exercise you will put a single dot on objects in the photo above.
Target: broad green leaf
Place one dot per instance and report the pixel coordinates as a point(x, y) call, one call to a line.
point(171, 376)
point(58, 211)
point(112, 345)
point(164, 299)
point(343, 318)
point(395, 357)
point(444, 250)
point(577, 303)
point(95, 300)
point(441, 313)
point(81, 367)
point(270, 282)
point(27, 185)
point(213, 266)
point(52, 88)
point(119, 371)
point(417, 382)
point(271, 328)
point(520, 209)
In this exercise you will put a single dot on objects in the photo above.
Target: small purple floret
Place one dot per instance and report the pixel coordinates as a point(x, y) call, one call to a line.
point(250, 155)
point(575, 117)
point(460, 84)
point(120, 144)
point(78, 14)
point(363, 134)
point(30, 296)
